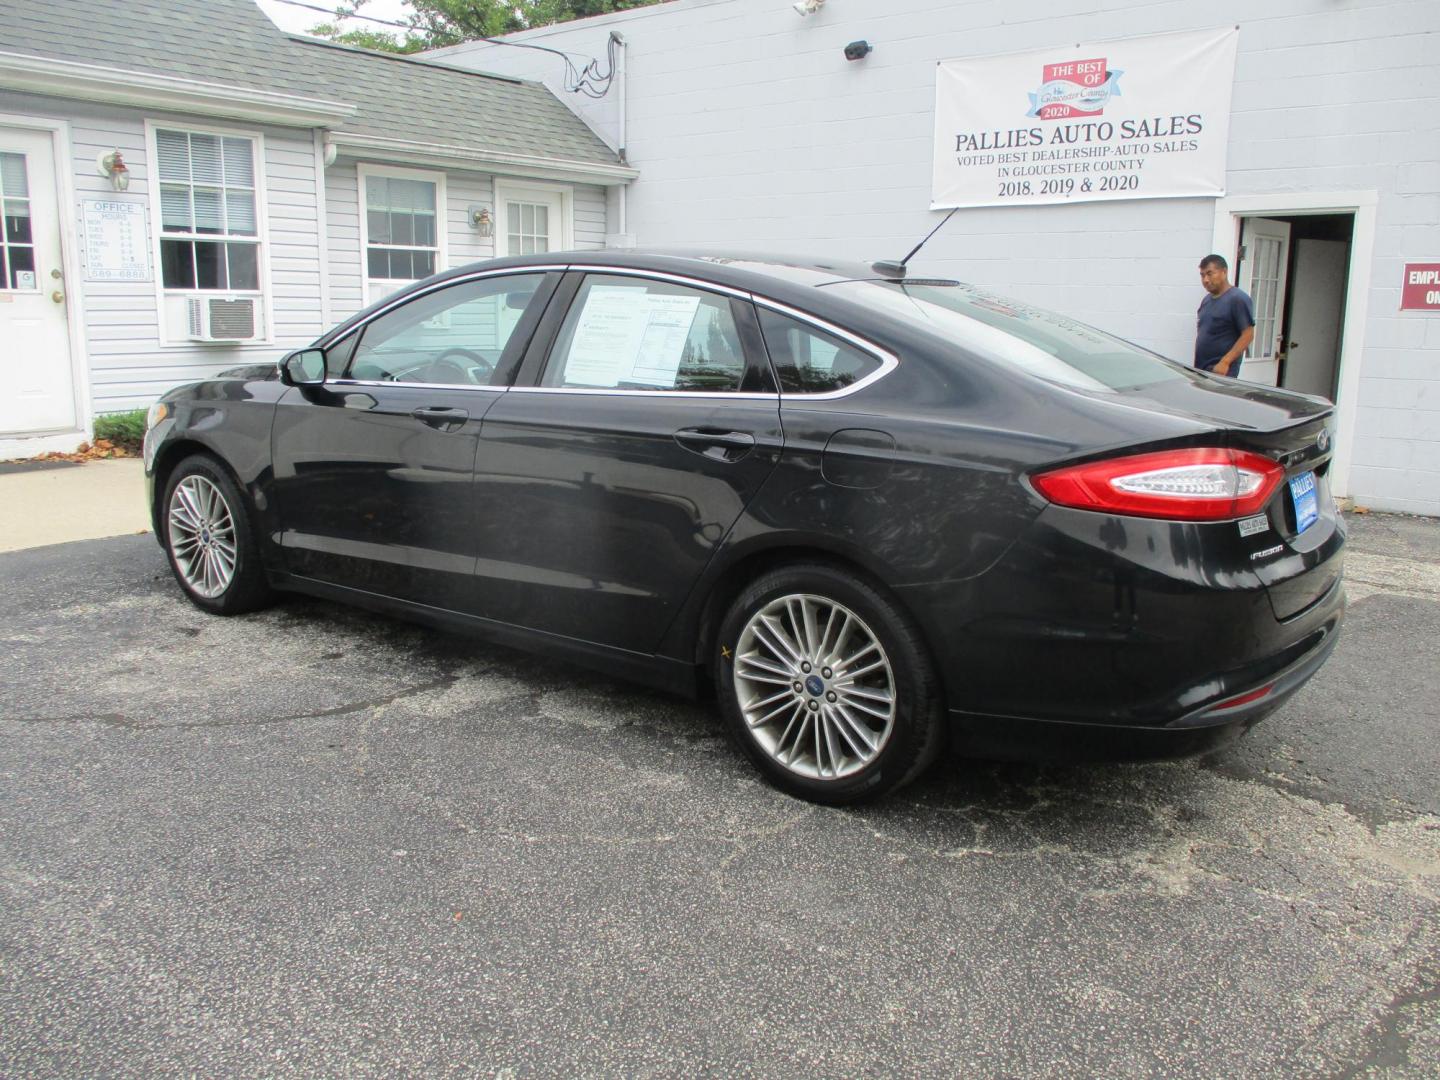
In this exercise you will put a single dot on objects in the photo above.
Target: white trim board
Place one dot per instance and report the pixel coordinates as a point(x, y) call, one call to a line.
point(74, 279)
point(91, 82)
point(1226, 241)
point(473, 159)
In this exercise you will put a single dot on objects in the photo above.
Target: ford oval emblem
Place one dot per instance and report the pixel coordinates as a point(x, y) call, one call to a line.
point(1322, 441)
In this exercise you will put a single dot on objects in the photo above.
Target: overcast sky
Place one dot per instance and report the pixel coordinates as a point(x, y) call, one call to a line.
point(299, 19)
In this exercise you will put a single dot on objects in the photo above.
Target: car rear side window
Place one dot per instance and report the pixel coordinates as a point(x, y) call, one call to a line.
point(626, 333)
point(1044, 343)
point(808, 360)
point(451, 336)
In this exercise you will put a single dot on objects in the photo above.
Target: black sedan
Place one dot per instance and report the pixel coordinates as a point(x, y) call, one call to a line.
point(873, 512)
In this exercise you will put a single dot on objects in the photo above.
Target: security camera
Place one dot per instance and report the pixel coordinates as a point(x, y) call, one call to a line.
point(858, 50)
point(808, 7)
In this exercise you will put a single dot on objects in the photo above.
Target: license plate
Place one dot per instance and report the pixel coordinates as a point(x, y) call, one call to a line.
point(1307, 506)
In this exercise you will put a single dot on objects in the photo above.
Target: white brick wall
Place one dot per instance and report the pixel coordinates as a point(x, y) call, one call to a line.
point(751, 130)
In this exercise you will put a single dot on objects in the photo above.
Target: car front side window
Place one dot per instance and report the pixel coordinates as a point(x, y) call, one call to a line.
point(625, 333)
point(453, 336)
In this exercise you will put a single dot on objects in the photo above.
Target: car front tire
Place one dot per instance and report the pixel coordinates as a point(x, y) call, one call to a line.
point(827, 686)
point(210, 541)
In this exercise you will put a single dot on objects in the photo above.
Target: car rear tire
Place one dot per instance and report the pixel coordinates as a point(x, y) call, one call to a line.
point(210, 541)
point(827, 686)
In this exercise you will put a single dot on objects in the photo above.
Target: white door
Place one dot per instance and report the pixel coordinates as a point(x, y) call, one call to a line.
point(1265, 254)
point(529, 221)
point(36, 381)
point(1313, 351)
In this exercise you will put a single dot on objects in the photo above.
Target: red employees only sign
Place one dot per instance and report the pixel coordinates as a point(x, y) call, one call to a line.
point(1421, 291)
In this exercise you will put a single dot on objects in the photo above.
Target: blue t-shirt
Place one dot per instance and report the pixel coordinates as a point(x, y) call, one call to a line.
point(1218, 325)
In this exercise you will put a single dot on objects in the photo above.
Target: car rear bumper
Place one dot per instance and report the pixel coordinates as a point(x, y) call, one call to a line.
point(1197, 731)
point(1133, 625)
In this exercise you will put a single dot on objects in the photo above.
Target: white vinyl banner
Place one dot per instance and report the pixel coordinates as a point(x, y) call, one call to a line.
point(1140, 118)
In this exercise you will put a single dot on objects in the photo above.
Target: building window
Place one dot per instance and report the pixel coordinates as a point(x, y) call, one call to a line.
point(402, 230)
point(209, 230)
point(17, 245)
point(532, 219)
point(529, 228)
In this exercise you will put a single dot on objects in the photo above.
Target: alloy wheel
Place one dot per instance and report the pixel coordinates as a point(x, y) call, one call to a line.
point(815, 686)
point(202, 536)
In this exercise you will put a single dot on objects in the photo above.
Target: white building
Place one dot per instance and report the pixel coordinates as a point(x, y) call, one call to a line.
point(188, 189)
point(751, 129)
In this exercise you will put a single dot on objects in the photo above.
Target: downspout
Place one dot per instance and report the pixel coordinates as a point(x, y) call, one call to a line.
point(322, 227)
point(621, 63)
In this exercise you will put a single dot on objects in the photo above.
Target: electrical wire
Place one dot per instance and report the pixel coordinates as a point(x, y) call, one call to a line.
point(589, 80)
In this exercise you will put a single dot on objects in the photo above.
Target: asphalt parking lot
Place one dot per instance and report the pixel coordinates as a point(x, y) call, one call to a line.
point(315, 842)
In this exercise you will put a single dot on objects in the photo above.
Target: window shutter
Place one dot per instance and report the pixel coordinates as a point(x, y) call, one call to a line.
point(377, 197)
point(175, 209)
point(173, 150)
point(240, 212)
point(12, 176)
point(205, 165)
point(208, 216)
point(239, 163)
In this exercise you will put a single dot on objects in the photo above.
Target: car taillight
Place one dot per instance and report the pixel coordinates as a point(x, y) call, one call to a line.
point(1210, 484)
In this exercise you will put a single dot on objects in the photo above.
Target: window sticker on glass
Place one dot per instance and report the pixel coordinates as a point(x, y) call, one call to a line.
point(629, 337)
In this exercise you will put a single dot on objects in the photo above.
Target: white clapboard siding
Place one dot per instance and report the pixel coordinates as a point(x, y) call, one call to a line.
point(129, 366)
point(464, 244)
point(342, 210)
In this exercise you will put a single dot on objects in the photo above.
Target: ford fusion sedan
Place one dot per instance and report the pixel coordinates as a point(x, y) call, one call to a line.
point(872, 513)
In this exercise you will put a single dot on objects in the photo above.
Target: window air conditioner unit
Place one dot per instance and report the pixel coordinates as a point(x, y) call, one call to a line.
point(224, 318)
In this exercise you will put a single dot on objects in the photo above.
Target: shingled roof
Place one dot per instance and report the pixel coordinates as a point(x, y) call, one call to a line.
point(233, 43)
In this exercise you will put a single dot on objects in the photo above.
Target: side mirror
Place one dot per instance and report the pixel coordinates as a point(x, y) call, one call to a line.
point(303, 368)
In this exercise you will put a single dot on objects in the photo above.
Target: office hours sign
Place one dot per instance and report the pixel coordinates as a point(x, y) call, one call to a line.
point(1139, 118)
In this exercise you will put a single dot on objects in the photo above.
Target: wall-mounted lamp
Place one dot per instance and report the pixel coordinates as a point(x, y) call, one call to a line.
point(808, 7)
point(113, 166)
point(481, 221)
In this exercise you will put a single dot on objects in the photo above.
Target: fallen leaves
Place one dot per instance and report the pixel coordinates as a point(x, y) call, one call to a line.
point(98, 450)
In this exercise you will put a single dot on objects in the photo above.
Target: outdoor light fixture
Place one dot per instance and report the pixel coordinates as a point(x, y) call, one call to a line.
point(808, 7)
point(481, 220)
point(112, 165)
point(858, 50)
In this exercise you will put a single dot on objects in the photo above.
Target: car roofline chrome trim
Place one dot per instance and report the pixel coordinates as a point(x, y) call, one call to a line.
point(888, 360)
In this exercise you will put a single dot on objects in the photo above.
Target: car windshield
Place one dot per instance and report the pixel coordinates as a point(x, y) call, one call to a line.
point(1041, 342)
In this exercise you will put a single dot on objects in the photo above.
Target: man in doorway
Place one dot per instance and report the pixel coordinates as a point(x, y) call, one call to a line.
point(1225, 323)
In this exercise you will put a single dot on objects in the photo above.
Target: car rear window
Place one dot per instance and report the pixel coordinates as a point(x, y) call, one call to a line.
point(1041, 342)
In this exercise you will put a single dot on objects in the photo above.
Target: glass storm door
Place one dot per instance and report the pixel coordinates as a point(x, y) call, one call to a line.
point(1265, 248)
point(36, 380)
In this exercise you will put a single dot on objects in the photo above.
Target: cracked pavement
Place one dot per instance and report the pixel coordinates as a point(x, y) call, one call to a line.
point(314, 842)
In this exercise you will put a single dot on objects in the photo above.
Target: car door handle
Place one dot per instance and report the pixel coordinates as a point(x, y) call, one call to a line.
point(715, 443)
point(439, 417)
